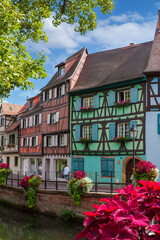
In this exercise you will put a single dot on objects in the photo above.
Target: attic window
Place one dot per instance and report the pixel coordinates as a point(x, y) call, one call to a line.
point(31, 104)
point(61, 71)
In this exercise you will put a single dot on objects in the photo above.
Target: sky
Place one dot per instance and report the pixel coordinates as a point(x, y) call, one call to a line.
point(130, 22)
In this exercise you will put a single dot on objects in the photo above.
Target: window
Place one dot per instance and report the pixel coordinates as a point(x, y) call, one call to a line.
point(87, 131)
point(25, 141)
point(47, 95)
point(1, 122)
point(31, 104)
point(61, 71)
point(16, 161)
point(59, 92)
point(40, 166)
point(2, 141)
point(123, 130)
point(78, 164)
point(123, 95)
point(107, 167)
point(53, 118)
point(37, 119)
point(8, 160)
point(33, 141)
point(12, 139)
point(49, 141)
point(88, 102)
point(61, 140)
point(41, 100)
point(25, 123)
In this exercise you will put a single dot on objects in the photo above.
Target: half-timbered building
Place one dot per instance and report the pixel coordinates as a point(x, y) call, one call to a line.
point(56, 113)
point(9, 134)
point(31, 136)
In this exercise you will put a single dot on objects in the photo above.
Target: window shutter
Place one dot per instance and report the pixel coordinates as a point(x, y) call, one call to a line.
point(57, 116)
point(111, 166)
point(4, 140)
point(63, 89)
point(95, 132)
point(26, 122)
point(55, 140)
point(96, 101)
point(40, 118)
point(36, 140)
point(8, 138)
point(21, 123)
point(45, 141)
point(30, 141)
point(34, 119)
point(22, 141)
point(112, 131)
point(112, 98)
point(65, 139)
point(44, 96)
point(30, 119)
point(48, 118)
point(16, 138)
point(133, 95)
point(78, 104)
point(27, 141)
point(52, 140)
point(158, 123)
point(132, 123)
point(77, 132)
point(50, 93)
point(0, 122)
point(55, 92)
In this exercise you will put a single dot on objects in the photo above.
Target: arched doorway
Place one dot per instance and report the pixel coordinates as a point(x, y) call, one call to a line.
point(127, 168)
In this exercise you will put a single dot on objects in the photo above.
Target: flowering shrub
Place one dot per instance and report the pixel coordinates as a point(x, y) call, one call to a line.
point(30, 185)
point(144, 171)
point(121, 139)
point(122, 103)
point(79, 185)
point(86, 109)
point(128, 215)
point(85, 140)
point(5, 171)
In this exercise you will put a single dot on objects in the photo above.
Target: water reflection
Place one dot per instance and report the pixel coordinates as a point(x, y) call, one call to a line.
point(21, 225)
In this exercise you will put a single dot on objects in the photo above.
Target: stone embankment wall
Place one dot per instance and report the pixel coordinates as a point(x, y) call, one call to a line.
point(51, 202)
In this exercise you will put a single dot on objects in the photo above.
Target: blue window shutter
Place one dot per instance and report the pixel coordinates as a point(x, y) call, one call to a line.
point(133, 123)
point(133, 95)
point(78, 164)
point(75, 165)
point(96, 101)
point(111, 166)
point(104, 167)
point(81, 164)
point(78, 104)
point(107, 167)
point(95, 132)
point(112, 98)
point(77, 132)
point(112, 131)
point(158, 123)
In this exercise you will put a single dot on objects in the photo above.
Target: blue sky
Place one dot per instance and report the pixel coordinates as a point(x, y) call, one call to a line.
point(130, 22)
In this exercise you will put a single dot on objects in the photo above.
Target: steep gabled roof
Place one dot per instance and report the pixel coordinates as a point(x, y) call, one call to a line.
point(56, 80)
point(13, 126)
point(113, 66)
point(11, 109)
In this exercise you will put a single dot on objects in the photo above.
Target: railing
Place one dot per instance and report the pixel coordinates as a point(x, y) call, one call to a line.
point(58, 183)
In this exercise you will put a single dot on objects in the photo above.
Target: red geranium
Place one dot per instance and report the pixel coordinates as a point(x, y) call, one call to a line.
point(79, 174)
point(4, 165)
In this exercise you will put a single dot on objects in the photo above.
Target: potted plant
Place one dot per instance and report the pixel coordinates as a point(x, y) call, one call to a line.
point(30, 186)
point(121, 139)
point(79, 185)
point(144, 171)
point(85, 140)
point(86, 109)
point(122, 103)
point(5, 171)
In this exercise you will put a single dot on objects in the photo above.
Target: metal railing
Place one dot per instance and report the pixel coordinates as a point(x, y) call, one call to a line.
point(57, 182)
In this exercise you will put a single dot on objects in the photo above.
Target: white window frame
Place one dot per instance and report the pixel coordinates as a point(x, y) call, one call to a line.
point(25, 122)
point(88, 102)
point(125, 129)
point(31, 106)
point(87, 131)
point(61, 71)
point(37, 119)
point(61, 140)
point(33, 145)
point(126, 95)
point(49, 141)
point(59, 91)
point(24, 141)
point(47, 95)
point(53, 117)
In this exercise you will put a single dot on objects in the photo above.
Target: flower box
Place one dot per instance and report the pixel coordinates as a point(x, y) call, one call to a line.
point(121, 139)
point(86, 109)
point(122, 103)
point(10, 145)
point(85, 140)
point(1, 149)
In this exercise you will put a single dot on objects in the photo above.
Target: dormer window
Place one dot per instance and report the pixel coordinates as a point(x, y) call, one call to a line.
point(31, 104)
point(61, 71)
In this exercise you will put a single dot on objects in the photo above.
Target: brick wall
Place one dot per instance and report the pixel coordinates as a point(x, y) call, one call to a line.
point(51, 202)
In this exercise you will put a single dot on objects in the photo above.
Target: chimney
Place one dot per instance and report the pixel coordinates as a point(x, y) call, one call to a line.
point(131, 44)
point(159, 19)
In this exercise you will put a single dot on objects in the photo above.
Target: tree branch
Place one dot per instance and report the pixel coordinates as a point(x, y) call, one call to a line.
point(64, 6)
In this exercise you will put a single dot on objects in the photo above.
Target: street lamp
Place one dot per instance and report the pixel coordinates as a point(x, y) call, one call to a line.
point(133, 133)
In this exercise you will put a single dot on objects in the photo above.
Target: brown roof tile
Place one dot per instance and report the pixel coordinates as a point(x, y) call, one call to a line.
point(11, 109)
point(113, 66)
point(13, 126)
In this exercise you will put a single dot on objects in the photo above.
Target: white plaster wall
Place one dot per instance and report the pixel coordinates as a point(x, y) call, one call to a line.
point(152, 139)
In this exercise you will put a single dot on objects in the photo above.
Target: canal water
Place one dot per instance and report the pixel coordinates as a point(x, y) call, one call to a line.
point(16, 224)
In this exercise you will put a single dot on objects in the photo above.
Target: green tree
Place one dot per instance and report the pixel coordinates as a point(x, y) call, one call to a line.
point(22, 20)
